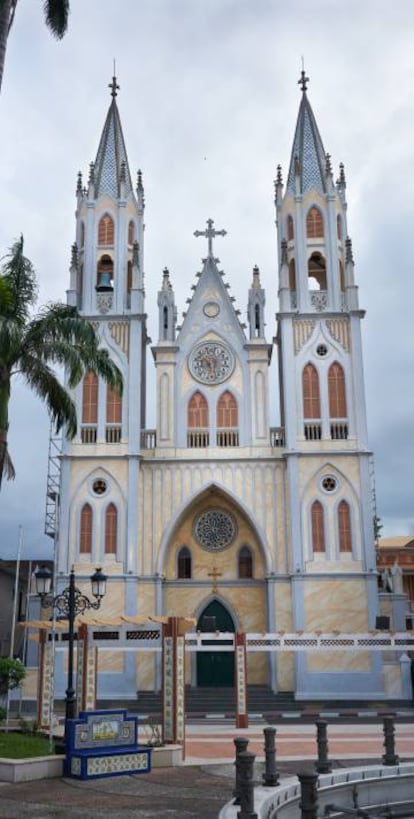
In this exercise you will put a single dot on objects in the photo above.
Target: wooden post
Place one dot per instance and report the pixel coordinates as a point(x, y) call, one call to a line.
point(242, 715)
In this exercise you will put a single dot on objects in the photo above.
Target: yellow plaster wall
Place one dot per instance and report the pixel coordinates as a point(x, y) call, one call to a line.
point(336, 605)
point(110, 660)
point(145, 670)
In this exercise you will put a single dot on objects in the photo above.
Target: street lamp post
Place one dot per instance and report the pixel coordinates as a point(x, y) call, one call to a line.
point(68, 604)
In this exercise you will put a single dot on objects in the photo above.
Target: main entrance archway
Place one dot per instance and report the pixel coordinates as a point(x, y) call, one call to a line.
point(215, 668)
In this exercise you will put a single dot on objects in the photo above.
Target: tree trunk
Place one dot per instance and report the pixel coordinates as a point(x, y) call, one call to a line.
point(6, 466)
point(6, 14)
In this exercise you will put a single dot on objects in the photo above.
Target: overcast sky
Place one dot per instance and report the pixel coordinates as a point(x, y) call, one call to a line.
point(208, 103)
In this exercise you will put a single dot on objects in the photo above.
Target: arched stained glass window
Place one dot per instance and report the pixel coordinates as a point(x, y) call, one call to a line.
point(245, 562)
point(106, 230)
point(314, 224)
point(311, 395)
point(197, 411)
point(184, 562)
point(344, 527)
point(290, 229)
point(111, 529)
point(336, 390)
point(90, 398)
point(318, 528)
point(227, 412)
point(85, 534)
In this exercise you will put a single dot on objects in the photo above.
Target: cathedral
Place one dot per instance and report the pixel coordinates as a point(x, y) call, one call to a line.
point(214, 514)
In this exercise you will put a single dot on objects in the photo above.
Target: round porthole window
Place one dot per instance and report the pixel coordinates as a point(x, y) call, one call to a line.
point(99, 486)
point(329, 483)
point(321, 350)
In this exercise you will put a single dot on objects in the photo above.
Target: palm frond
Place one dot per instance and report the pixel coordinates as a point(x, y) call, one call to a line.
point(10, 342)
point(9, 471)
point(44, 382)
point(19, 276)
point(56, 16)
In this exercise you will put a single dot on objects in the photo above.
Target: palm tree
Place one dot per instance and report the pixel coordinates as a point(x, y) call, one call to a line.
point(31, 345)
point(56, 14)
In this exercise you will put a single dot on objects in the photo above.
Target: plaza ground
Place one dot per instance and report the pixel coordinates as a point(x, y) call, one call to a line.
point(205, 782)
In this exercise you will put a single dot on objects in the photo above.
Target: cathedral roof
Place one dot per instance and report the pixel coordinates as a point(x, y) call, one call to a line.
point(308, 154)
point(111, 164)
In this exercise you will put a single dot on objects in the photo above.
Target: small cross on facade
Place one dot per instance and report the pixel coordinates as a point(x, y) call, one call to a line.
point(215, 574)
point(303, 82)
point(210, 232)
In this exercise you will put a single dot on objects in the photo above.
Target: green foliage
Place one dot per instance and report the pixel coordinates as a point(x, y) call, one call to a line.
point(32, 345)
point(14, 745)
point(12, 674)
point(29, 726)
point(3, 714)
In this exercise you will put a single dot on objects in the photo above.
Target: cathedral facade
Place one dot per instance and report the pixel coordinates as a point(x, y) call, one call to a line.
point(214, 514)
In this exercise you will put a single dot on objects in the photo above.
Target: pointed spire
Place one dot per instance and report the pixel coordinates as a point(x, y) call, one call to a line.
point(112, 153)
point(341, 181)
point(308, 158)
point(166, 283)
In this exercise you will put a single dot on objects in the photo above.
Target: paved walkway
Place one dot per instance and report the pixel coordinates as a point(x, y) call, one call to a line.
point(199, 788)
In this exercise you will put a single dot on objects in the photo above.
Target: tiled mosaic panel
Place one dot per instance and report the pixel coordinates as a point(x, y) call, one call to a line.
point(126, 763)
point(46, 684)
point(75, 766)
point(90, 694)
point(80, 654)
point(168, 690)
point(180, 689)
point(241, 679)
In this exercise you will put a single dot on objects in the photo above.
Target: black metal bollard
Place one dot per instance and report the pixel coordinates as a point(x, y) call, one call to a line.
point(245, 764)
point(241, 745)
point(271, 776)
point(390, 757)
point(323, 764)
point(308, 795)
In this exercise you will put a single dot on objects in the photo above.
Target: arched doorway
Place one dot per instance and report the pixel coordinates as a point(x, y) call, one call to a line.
point(215, 668)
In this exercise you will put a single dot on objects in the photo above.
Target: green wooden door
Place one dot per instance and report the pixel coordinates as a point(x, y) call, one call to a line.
point(215, 668)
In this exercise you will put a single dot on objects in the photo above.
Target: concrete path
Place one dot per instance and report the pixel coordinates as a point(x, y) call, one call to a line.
point(199, 788)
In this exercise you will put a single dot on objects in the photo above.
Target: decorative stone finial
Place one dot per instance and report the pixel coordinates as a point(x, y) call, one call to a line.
point(135, 254)
point(74, 257)
point(284, 251)
point(279, 180)
point(166, 284)
point(91, 180)
point(256, 278)
point(79, 185)
point(349, 256)
point(328, 165)
point(140, 186)
point(341, 182)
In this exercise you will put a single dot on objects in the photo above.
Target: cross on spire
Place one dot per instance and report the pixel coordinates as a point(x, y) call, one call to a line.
point(303, 82)
point(210, 232)
point(113, 86)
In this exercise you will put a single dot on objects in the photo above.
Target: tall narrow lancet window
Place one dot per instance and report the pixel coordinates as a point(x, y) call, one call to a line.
point(129, 277)
point(314, 224)
point(344, 527)
point(318, 527)
point(292, 275)
point(184, 568)
point(82, 234)
point(85, 533)
point(197, 421)
point(113, 416)
point(311, 403)
point(131, 233)
point(227, 420)
point(290, 229)
point(245, 563)
point(106, 230)
point(90, 398)
point(337, 402)
point(111, 529)
point(341, 277)
point(339, 227)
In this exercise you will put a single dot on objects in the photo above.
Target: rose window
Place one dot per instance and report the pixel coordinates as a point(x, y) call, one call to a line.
point(215, 530)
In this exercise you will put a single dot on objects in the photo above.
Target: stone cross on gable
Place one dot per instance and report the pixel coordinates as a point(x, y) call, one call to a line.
point(210, 232)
